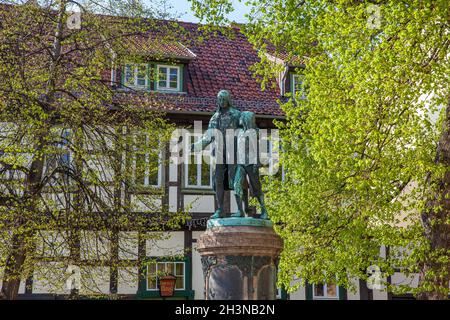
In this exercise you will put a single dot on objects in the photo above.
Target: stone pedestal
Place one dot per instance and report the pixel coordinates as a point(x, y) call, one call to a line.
point(239, 259)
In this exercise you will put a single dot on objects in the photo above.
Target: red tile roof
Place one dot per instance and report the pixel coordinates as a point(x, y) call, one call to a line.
point(157, 47)
point(186, 103)
point(220, 62)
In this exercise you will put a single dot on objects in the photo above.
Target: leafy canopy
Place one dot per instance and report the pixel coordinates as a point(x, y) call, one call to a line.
point(360, 150)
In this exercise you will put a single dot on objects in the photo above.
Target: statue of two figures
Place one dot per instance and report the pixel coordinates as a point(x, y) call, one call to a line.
point(236, 153)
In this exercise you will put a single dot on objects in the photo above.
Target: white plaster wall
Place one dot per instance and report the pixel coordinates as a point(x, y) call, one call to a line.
point(300, 294)
point(144, 202)
point(399, 278)
point(383, 251)
point(127, 281)
point(173, 193)
point(105, 193)
point(171, 243)
point(94, 139)
point(94, 245)
point(94, 280)
point(380, 294)
point(199, 203)
point(22, 287)
point(173, 172)
point(198, 281)
point(100, 165)
point(52, 244)
point(354, 295)
point(51, 277)
point(128, 245)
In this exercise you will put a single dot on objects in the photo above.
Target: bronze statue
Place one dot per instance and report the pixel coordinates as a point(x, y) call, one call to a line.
point(225, 118)
point(248, 163)
point(227, 124)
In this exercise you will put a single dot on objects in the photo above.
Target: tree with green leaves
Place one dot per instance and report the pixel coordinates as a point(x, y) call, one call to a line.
point(75, 159)
point(367, 152)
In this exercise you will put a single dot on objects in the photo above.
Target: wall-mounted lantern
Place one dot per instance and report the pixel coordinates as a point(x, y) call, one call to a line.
point(166, 285)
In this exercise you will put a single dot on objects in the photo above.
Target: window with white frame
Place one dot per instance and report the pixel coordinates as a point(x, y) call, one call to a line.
point(147, 163)
point(198, 172)
point(162, 268)
point(136, 75)
point(298, 85)
point(62, 159)
point(325, 291)
point(269, 149)
point(169, 78)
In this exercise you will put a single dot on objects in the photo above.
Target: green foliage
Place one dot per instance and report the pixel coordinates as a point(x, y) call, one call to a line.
point(72, 156)
point(360, 150)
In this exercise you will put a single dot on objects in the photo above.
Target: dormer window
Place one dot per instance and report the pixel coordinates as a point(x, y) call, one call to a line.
point(153, 77)
point(136, 76)
point(298, 86)
point(168, 78)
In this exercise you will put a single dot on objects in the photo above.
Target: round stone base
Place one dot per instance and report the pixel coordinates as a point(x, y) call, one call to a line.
point(240, 262)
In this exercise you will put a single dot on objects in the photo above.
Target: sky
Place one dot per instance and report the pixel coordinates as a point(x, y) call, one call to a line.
point(184, 8)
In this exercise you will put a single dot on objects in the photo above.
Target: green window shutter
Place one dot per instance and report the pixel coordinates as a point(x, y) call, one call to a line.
point(149, 72)
point(309, 291)
point(342, 293)
point(284, 294)
point(122, 77)
point(151, 76)
point(142, 279)
point(188, 277)
point(181, 77)
point(156, 75)
point(291, 84)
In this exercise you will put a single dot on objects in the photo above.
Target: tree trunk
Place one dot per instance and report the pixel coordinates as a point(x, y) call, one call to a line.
point(435, 222)
point(22, 234)
point(16, 258)
point(13, 269)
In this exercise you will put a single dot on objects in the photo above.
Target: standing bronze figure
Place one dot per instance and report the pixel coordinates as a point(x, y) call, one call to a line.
point(225, 118)
point(229, 129)
point(248, 163)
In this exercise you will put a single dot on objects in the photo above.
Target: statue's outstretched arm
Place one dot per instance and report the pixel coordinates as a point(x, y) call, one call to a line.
point(207, 138)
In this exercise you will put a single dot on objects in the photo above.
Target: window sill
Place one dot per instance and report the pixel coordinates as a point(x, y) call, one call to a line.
point(181, 294)
point(199, 191)
point(135, 88)
point(130, 89)
point(168, 91)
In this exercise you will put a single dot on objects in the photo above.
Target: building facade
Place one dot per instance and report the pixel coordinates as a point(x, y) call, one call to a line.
point(189, 76)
